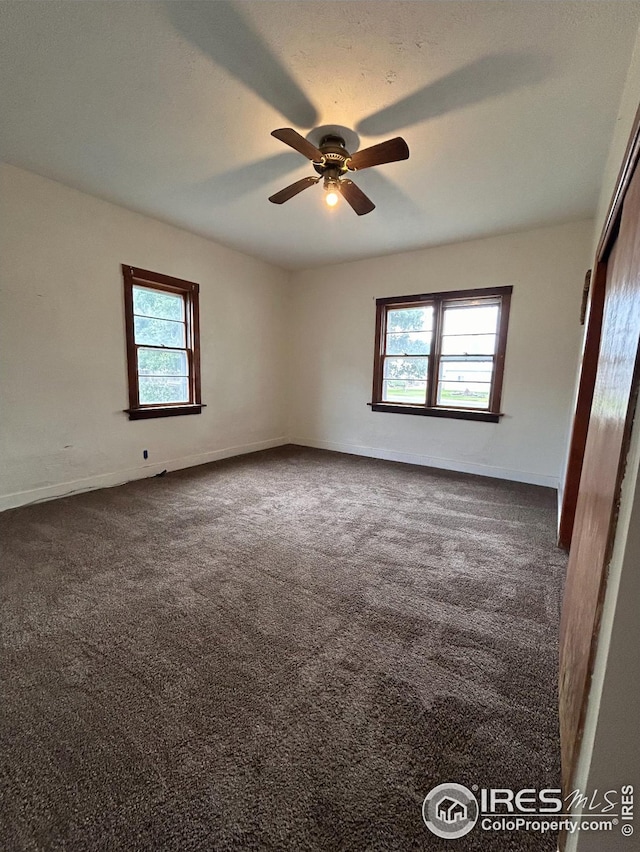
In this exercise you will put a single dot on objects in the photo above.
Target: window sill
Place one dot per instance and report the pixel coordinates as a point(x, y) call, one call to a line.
point(455, 413)
point(162, 411)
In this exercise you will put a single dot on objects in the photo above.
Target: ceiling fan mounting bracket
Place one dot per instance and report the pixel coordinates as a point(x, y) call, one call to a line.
point(333, 140)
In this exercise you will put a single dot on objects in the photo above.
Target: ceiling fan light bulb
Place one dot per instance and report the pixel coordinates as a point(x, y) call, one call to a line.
point(331, 198)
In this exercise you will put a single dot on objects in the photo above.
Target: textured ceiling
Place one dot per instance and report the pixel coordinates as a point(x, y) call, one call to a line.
point(167, 108)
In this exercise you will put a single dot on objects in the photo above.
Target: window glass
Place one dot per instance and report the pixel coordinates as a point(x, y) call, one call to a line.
point(158, 332)
point(155, 303)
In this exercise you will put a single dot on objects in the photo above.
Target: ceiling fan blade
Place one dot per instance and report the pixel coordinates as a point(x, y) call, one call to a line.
point(289, 191)
point(385, 152)
point(293, 139)
point(354, 196)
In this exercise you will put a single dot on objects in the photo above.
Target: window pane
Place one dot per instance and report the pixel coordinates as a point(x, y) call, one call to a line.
point(160, 389)
point(159, 332)
point(409, 343)
point(160, 362)
point(471, 370)
point(477, 320)
point(395, 390)
point(156, 303)
point(464, 394)
point(406, 368)
point(410, 319)
point(469, 344)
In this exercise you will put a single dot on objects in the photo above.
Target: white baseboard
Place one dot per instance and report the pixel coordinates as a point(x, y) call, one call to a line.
point(431, 461)
point(119, 477)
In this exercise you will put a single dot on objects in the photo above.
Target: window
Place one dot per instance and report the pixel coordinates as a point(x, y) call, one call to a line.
point(442, 354)
point(163, 348)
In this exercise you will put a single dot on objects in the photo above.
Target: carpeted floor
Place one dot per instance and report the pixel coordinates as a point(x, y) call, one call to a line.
point(283, 651)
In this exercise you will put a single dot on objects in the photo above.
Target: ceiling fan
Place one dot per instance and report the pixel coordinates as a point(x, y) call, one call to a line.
point(332, 161)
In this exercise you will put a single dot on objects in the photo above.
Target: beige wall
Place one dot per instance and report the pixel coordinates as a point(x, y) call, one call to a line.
point(333, 310)
point(63, 360)
point(62, 347)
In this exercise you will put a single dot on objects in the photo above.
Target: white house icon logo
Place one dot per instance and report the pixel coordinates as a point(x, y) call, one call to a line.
point(450, 810)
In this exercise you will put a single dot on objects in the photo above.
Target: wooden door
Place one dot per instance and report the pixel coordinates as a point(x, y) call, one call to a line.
point(586, 385)
point(610, 421)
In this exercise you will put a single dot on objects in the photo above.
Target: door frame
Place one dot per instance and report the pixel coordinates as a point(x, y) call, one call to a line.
point(591, 348)
point(586, 385)
point(579, 700)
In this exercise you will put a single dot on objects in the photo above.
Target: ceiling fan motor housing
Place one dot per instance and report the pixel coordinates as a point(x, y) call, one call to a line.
point(334, 154)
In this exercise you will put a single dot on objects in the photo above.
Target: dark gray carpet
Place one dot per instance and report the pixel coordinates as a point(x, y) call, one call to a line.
point(283, 651)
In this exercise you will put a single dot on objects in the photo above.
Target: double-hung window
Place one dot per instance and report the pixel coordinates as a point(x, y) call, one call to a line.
point(442, 354)
point(163, 350)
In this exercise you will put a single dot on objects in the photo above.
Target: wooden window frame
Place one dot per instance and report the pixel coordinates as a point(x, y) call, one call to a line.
point(439, 301)
point(189, 290)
